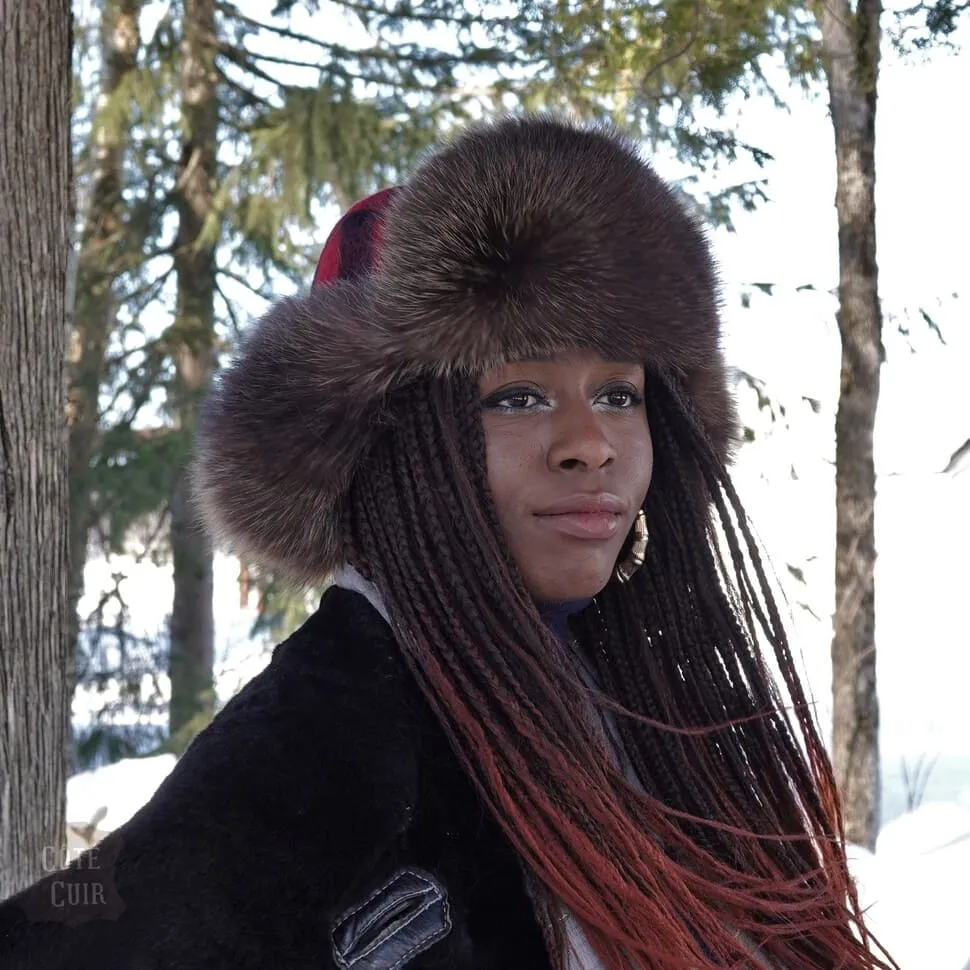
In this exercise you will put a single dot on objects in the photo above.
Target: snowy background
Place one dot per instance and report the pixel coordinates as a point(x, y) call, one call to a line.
point(918, 881)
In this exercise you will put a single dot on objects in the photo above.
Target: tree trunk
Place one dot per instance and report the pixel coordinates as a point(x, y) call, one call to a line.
point(192, 632)
point(35, 218)
point(851, 51)
point(102, 238)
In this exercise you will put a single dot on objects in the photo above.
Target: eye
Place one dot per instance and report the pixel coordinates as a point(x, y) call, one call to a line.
point(622, 397)
point(514, 399)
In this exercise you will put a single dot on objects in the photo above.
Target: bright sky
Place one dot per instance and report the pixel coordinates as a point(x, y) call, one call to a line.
point(923, 210)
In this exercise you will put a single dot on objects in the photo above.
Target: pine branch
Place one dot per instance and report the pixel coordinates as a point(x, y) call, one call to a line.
point(948, 9)
point(152, 365)
point(273, 59)
point(426, 60)
point(139, 400)
point(147, 348)
point(152, 288)
point(233, 316)
point(409, 54)
point(679, 52)
point(242, 281)
point(250, 98)
point(367, 10)
point(401, 13)
point(238, 58)
point(959, 459)
point(151, 540)
point(410, 57)
point(364, 10)
point(230, 11)
point(939, 21)
point(242, 60)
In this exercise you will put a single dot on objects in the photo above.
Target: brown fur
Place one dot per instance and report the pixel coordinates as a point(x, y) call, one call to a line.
point(520, 238)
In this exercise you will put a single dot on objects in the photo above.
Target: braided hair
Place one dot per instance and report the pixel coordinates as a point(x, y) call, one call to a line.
point(735, 846)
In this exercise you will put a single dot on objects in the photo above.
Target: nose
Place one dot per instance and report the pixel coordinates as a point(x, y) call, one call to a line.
point(580, 440)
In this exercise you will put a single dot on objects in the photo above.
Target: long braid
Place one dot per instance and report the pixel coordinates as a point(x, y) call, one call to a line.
point(737, 836)
point(688, 649)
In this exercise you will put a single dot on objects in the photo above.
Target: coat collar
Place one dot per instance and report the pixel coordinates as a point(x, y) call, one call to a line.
point(347, 577)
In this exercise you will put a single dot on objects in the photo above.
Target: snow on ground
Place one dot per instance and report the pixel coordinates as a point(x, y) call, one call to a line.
point(121, 789)
point(916, 885)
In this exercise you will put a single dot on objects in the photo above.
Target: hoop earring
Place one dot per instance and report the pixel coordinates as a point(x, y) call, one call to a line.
point(638, 550)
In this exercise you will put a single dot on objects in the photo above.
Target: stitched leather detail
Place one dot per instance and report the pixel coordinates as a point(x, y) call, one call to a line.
point(402, 918)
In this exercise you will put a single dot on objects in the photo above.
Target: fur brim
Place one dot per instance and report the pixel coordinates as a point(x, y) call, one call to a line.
point(521, 238)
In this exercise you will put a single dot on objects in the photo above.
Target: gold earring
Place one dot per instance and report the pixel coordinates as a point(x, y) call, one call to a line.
point(638, 550)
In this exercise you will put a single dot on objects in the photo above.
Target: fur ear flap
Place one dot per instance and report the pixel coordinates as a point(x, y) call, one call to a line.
point(285, 426)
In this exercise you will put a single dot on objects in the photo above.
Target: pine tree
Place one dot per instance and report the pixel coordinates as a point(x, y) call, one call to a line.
point(104, 254)
point(192, 338)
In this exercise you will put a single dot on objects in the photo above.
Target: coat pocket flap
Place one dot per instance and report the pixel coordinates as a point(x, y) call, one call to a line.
point(402, 918)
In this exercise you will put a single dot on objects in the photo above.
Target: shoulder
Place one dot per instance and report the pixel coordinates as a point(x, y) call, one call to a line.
point(337, 692)
point(299, 784)
point(334, 718)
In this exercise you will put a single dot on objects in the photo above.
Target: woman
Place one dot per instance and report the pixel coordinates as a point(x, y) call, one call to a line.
point(532, 723)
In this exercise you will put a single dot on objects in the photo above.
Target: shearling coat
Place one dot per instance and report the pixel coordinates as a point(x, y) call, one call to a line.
point(321, 822)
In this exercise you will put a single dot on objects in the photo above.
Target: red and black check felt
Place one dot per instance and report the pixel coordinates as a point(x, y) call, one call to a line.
point(352, 248)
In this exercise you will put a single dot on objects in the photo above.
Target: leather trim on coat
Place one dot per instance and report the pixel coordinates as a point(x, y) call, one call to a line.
point(400, 919)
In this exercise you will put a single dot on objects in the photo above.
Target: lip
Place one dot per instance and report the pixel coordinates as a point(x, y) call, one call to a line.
point(586, 503)
point(585, 516)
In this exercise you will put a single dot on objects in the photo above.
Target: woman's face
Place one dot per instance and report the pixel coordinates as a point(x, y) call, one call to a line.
point(569, 464)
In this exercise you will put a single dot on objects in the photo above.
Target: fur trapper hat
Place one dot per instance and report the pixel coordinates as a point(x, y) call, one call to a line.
point(522, 237)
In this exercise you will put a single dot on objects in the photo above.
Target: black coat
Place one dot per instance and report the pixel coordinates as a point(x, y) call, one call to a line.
point(320, 821)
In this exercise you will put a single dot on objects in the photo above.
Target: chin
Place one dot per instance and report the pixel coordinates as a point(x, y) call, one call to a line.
point(571, 585)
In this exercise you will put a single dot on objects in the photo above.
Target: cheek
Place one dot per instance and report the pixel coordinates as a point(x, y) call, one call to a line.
point(505, 462)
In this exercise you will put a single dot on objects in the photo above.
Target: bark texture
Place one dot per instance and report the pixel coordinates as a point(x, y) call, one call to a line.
point(192, 632)
point(35, 218)
point(851, 40)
